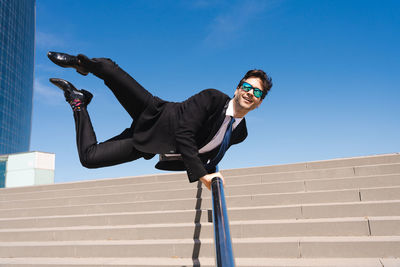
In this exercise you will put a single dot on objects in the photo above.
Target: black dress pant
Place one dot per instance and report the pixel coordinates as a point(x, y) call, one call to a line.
point(133, 97)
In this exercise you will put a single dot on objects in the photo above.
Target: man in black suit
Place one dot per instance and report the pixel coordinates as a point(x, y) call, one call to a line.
point(192, 135)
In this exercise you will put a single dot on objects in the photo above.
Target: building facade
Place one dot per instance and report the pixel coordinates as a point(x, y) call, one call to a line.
point(27, 169)
point(17, 44)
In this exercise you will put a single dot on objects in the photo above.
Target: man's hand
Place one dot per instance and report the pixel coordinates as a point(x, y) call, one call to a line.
point(206, 179)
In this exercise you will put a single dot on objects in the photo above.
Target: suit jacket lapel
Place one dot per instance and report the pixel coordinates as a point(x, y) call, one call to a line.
point(239, 133)
point(218, 124)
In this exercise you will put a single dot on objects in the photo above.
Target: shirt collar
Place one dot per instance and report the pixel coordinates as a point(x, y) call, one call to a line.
point(229, 111)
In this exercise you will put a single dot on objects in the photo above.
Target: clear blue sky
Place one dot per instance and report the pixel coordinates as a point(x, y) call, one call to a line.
point(335, 67)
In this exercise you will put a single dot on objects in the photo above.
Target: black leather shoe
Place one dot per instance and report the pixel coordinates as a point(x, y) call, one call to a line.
point(72, 95)
point(67, 61)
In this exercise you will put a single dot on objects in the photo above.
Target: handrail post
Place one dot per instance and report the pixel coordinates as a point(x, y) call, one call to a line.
point(222, 237)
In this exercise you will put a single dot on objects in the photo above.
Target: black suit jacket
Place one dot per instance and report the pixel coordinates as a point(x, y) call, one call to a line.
point(185, 127)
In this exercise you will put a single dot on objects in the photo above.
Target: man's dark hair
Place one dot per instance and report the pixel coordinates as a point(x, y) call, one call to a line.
point(266, 81)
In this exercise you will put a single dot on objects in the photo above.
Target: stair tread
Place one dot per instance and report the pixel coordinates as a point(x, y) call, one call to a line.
point(191, 224)
point(165, 261)
point(206, 192)
point(159, 177)
point(228, 198)
point(185, 186)
point(319, 239)
point(350, 203)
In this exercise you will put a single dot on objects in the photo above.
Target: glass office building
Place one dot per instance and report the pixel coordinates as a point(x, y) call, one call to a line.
point(17, 43)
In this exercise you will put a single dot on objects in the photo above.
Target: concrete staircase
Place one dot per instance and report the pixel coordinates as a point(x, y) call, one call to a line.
point(342, 212)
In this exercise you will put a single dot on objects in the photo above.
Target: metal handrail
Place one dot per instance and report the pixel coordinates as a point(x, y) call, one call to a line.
point(222, 237)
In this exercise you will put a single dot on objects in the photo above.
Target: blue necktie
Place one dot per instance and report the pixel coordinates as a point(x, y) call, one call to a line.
point(224, 146)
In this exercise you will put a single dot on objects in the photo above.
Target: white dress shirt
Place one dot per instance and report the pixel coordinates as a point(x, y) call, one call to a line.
point(219, 136)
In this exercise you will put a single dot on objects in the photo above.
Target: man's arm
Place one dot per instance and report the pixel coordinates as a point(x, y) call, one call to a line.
point(196, 111)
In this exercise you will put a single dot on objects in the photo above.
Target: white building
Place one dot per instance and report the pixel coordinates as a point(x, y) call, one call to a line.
point(24, 169)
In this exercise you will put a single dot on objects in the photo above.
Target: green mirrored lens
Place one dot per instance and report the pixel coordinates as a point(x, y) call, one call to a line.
point(246, 87)
point(257, 92)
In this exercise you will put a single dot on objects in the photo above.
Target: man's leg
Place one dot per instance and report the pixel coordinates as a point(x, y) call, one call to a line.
point(112, 152)
point(92, 155)
point(132, 96)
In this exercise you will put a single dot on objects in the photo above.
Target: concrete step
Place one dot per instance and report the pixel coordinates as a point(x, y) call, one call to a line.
point(117, 193)
point(349, 166)
point(282, 187)
point(348, 195)
point(333, 173)
point(188, 204)
point(305, 211)
point(153, 178)
point(322, 164)
point(350, 209)
point(353, 182)
point(103, 219)
point(381, 226)
point(106, 198)
point(282, 247)
point(116, 262)
point(159, 261)
point(387, 193)
point(100, 190)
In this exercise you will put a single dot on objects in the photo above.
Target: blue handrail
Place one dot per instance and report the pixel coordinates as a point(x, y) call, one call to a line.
point(222, 237)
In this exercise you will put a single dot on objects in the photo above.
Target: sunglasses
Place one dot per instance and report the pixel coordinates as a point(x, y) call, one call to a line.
point(256, 92)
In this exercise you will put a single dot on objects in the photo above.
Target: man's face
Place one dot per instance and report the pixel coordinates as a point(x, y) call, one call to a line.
point(246, 101)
